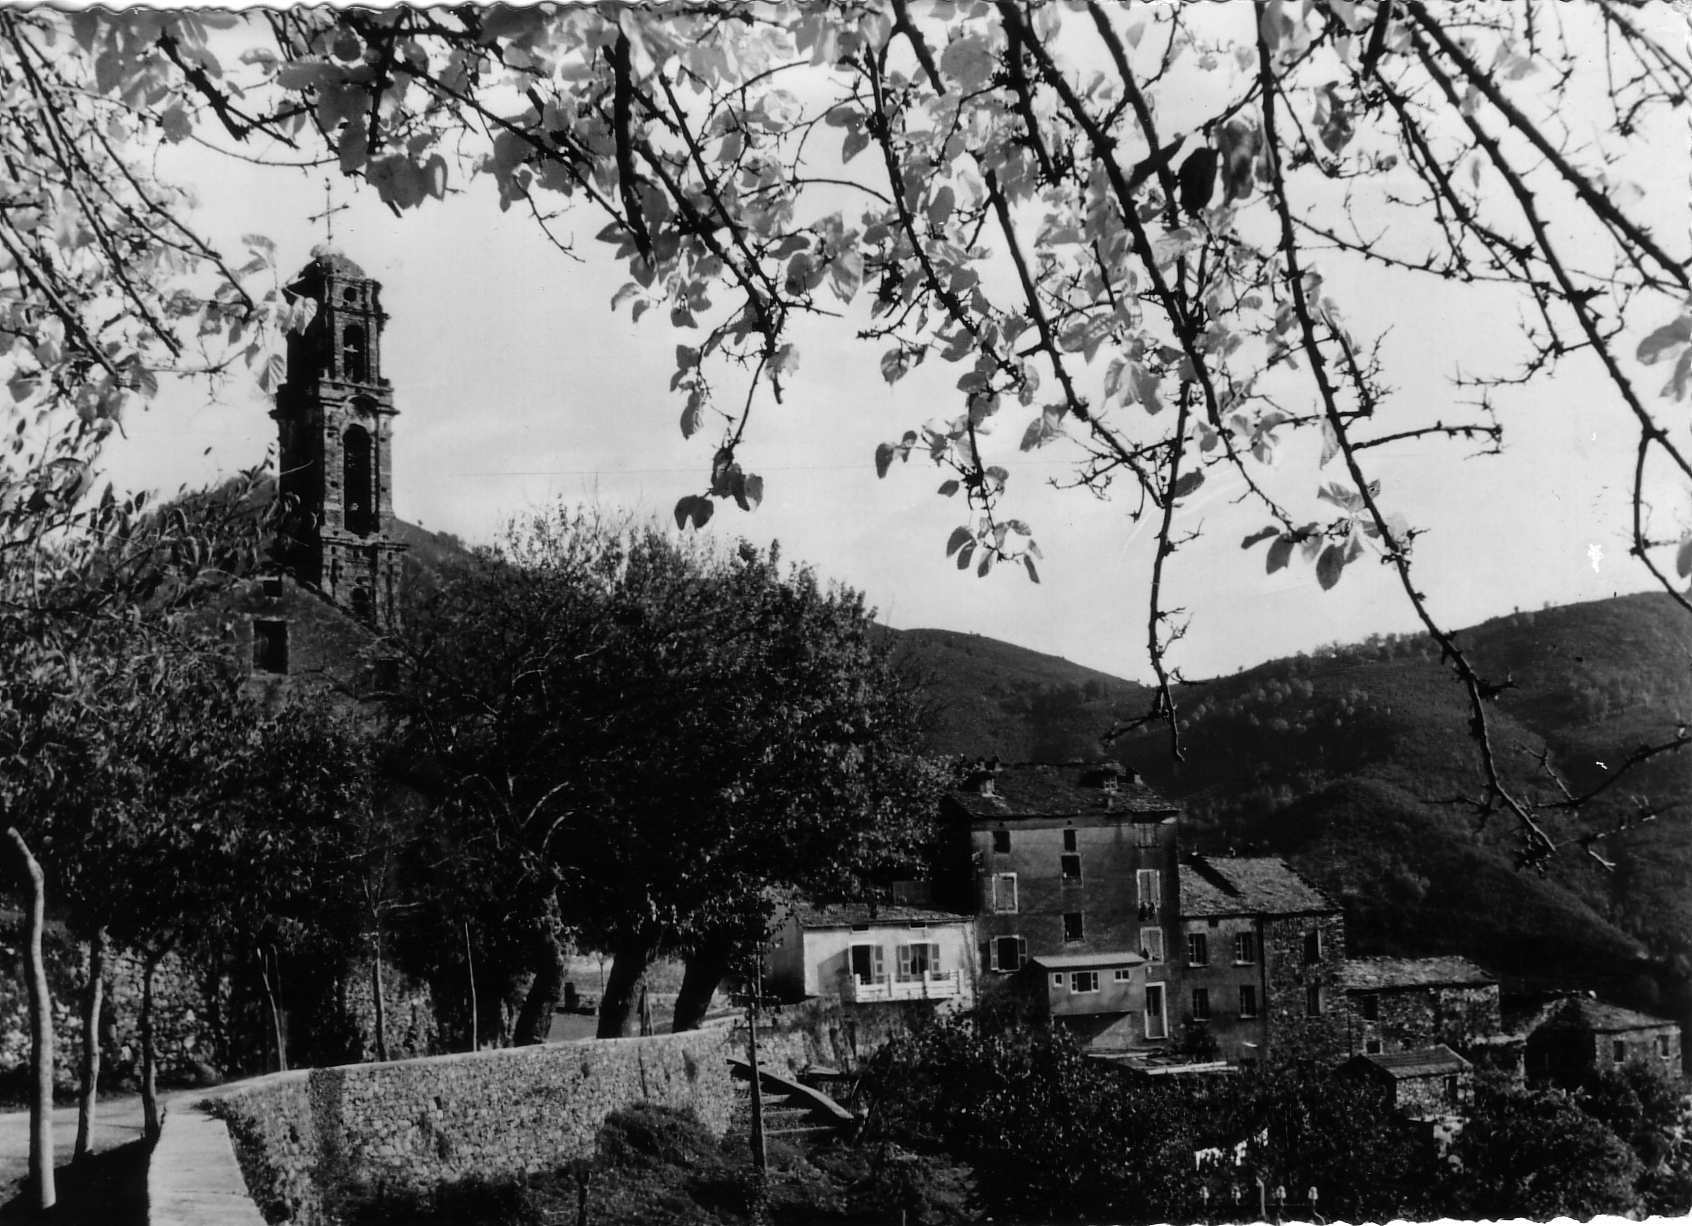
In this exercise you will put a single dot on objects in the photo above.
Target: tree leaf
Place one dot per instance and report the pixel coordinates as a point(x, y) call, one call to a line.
point(1280, 553)
point(883, 459)
point(1666, 338)
point(959, 538)
point(1330, 565)
point(1261, 535)
point(1028, 564)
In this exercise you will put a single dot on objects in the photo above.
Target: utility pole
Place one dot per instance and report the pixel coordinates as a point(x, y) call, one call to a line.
point(760, 1155)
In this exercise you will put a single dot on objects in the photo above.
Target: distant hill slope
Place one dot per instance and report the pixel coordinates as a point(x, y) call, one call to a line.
point(1349, 761)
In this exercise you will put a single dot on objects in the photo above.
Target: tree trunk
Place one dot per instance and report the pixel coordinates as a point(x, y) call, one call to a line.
point(534, 1022)
point(617, 1009)
point(470, 974)
point(273, 1005)
point(153, 1120)
point(40, 1028)
point(93, 997)
point(704, 970)
point(380, 1002)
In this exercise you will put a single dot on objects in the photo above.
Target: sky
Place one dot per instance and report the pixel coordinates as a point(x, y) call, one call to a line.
point(517, 386)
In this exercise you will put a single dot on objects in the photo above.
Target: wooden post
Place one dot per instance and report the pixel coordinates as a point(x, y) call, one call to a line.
point(40, 1028)
point(470, 970)
point(90, 1096)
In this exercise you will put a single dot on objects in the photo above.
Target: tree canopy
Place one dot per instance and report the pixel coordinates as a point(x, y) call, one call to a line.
point(1150, 236)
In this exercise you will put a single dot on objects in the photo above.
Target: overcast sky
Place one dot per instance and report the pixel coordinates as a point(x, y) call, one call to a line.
point(516, 385)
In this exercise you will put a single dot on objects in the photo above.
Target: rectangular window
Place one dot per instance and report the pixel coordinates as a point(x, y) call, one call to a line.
point(1145, 834)
point(1151, 944)
point(1071, 867)
point(1618, 1051)
point(1058, 979)
point(1001, 842)
point(1004, 893)
point(1198, 949)
point(1123, 974)
point(1148, 884)
point(1313, 947)
point(918, 960)
point(868, 964)
point(1201, 1004)
point(1083, 981)
point(1008, 953)
point(270, 647)
point(1372, 1047)
point(1663, 1046)
point(1451, 1085)
point(1248, 1000)
point(1371, 1008)
point(1069, 840)
point(1245, 948)
point(1313, 1000)
point(1073, 928)
point(1157, 1026)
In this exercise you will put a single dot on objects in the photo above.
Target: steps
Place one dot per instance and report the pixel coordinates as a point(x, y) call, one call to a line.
point(790, 1109)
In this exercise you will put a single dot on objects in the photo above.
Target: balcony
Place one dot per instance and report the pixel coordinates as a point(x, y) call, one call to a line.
point(934, 985)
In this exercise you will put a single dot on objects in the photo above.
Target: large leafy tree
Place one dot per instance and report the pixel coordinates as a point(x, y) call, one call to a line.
point(649, 738)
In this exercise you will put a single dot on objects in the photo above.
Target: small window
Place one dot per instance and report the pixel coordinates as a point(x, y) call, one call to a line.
point(1008, 953)
point(1123, 974)
point(1001, 842)
point(1371, 1008)
point(1663, 1046)
point(1069, 840)
point(1313, 1000)
point(352, 354)
point(1073, 928)
point(1313, 947)
point(1201, 1004)
point(1145, 834)
point(1451, 1087)
point(270, 647)
point(1057, 979)
point(1148, 883)
point(1245, 948)
point(1198, 949)
point(1248, 1000)
point(273, 587)
point(1004, 893)
point(1618, 1051)
point(1372, 1047)
point(1071, 866)
point(1151, 944)
point(1083, 981)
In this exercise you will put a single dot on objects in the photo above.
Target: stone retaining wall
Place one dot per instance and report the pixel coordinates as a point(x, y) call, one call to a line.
point(372, 1129)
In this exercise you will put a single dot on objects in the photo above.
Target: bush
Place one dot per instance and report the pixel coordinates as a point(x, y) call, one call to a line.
point(647, 1135)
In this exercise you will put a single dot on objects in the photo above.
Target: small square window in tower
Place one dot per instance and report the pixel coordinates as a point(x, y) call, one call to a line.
point(270, 647)
point(1074, 927)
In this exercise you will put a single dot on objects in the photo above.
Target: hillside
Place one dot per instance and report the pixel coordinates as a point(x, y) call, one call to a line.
point(1355, 764)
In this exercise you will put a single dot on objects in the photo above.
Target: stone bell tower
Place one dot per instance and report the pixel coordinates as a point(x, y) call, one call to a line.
point(335, 412)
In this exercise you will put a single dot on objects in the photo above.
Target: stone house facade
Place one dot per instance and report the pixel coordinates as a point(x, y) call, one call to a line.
point(1403, 1004)
point(1576, 1035)
point(1425, 1084)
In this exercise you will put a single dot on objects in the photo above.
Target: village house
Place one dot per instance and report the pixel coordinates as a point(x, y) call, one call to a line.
point(1574, 1035)
point(1403, 1004)
point(1071, 868)
point(1258, 962)
point(860, 953)
point(1427, 1083)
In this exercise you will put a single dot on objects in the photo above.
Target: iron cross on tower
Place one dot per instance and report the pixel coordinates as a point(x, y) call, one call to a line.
point(330, 208)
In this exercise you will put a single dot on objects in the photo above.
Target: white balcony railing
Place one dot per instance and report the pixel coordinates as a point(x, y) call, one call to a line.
point(934, 985)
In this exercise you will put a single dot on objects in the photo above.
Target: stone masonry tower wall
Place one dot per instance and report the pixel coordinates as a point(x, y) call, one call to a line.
point(335, 417)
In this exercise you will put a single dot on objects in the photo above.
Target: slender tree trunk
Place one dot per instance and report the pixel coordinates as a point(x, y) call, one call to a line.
point(153, 1119)
point(534, 1022)
point(40, 1028)
point(377, 994)
point(93, 997)
point(704, 969)
point(617, 1016)
point(273, 1005)
point(470, 974)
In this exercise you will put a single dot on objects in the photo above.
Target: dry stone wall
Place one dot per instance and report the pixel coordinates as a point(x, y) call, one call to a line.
point(372, 1129)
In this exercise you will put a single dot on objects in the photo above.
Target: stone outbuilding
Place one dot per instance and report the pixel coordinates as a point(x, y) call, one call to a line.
point(1579, 1034)
point(1424, 1084)
point(1402, 1004)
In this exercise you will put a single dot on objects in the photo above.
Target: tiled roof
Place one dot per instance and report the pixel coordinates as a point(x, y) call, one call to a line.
point(1422, 1062)
point(1600, 1017)
point(1064, 962)
point(844, 915)
point(1067, 790)
point(1242, 885)
point(1365, 974)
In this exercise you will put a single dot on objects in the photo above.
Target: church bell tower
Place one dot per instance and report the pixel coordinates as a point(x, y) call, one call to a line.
point(335, 414)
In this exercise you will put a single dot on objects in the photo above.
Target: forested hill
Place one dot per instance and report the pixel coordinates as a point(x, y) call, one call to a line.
point(1348, 761)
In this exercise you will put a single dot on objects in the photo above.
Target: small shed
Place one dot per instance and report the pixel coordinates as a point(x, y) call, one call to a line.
point(1424, 1084)
point(1580, 1033)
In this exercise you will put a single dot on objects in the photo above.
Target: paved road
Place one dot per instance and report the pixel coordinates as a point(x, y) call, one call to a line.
point(117, 1123)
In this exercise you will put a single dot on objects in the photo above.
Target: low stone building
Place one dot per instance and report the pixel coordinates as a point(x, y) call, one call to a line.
point(1402, 1004)
point(1575, 1035)
point(1424, 1084)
